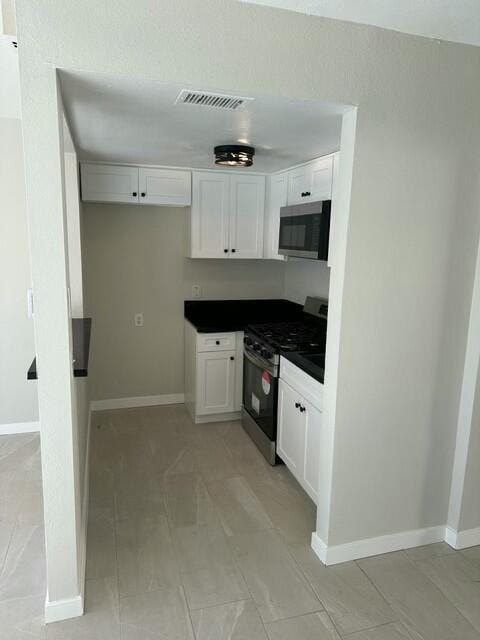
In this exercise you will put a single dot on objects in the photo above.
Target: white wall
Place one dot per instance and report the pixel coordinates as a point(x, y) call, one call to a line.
point(413, 220)
point(470, 508)
point(306, 278)
point(134, 261)
point(18, 396)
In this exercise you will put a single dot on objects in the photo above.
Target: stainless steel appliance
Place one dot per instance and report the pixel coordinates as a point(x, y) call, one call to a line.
point(305, 229)
point(263, 345)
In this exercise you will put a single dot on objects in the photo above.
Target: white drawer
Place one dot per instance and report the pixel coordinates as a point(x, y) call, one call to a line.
point(216, 342)
point(305, 385)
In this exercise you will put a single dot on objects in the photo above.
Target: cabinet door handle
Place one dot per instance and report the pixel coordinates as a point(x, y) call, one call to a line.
point(134, 194)
point(143, 194)
point(217, 341)
point(297, 405)
point(232, 358)
point(307, 193)
point(225, 251)
point(233, 250)
point(302, 409)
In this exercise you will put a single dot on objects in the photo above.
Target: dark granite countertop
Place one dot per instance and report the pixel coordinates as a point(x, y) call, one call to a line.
point(210, 316)
point(311, 363)
point(81, 329)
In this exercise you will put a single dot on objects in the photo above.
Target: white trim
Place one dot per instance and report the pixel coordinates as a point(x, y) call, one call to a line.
point(375, 546)
point(63, 609)
point(139, 401)
point(19, 427)
point(462, 539)
point(467, 399)
point(218, 417)
point(84, 514)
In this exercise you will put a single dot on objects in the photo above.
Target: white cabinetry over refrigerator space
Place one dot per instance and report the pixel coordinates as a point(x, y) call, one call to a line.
point(227, 215)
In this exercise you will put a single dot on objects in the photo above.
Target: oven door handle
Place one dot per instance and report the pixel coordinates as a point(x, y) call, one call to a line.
point(261, 364)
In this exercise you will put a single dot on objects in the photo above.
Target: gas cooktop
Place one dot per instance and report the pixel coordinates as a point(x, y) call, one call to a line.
point(292, 336)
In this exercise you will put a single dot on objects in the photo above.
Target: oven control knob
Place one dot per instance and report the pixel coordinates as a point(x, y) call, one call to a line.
point(257, 347)
point(267, 354)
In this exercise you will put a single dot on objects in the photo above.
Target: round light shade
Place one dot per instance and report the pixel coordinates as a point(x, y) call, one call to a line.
point(234, 155)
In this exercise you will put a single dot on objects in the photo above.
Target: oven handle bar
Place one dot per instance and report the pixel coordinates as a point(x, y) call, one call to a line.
point(261, 364)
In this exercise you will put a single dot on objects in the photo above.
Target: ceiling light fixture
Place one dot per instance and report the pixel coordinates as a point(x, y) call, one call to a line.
point(234, 155)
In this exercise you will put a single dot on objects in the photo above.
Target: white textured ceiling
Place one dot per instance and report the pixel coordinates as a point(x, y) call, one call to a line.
point(454, 20)
point(124, 120)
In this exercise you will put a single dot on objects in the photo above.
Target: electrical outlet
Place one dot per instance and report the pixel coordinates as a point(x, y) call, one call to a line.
point(196, 291)
point(139, 319)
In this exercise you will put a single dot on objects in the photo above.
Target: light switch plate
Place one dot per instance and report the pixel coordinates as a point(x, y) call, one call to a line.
point(139, 319)
point(196, 291)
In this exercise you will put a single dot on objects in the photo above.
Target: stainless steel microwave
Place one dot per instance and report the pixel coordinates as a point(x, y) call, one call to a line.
point(305, 229)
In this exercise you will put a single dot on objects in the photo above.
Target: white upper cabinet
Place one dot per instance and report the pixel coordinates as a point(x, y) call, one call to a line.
point(164, 187)
point(276, 197)
point(247, 205)
point(209, 218)
point(151, 185)
point(311, 182)
point(227, 215)
point(321, 176)
point(109, 183)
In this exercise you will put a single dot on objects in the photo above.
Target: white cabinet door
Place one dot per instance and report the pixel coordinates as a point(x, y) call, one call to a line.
point(313, 426)
point(299, 183)
point(216, 382)
point(321, 179)
point(247, 207)
point(276, 197)
point(291, 429)
point(311, 182)
point(164, 187)
point(209, 215)
point(109, 183)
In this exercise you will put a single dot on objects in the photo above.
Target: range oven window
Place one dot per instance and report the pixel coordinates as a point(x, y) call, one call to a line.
point(260, 396)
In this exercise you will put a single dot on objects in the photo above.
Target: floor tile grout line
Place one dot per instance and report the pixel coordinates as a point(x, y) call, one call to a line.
point(393, 605)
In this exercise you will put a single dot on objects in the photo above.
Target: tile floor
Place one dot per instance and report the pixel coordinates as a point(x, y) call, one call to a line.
point(192, 535)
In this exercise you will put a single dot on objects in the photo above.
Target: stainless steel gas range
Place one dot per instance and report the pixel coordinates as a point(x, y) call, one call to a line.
point(263, 345)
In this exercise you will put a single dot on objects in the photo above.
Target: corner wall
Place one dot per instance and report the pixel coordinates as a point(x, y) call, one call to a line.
point(18, 396)
point(134, 262)
point(414, 195)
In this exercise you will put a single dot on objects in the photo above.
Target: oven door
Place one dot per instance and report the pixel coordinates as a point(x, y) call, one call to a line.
point(304, 230)
point(260, 393)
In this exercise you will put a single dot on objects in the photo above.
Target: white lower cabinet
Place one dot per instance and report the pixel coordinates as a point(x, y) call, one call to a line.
point(215, 382)
point(291, 429)
point(213, 374)
point(300, 426)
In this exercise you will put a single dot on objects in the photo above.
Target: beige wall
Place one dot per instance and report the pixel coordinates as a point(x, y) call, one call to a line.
point(18, 396)
point(134, 261)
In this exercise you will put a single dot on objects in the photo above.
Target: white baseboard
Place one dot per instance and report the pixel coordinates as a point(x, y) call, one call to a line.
point(63, 609)
point(139, 401)
point(218, 417)
point(375, 546)
point(462, 539)
point(19, 427)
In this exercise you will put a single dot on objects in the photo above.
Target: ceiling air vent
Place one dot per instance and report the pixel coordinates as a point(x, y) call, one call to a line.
point(216, 100)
